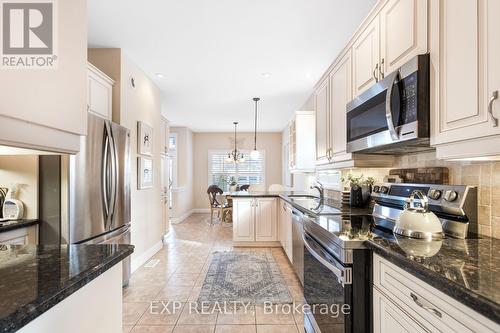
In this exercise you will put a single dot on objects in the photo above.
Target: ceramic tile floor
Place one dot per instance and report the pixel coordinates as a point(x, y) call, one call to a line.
point(178, 278)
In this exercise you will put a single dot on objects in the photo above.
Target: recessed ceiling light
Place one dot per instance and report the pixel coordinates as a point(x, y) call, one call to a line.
point(160, 75)
point(266, 74)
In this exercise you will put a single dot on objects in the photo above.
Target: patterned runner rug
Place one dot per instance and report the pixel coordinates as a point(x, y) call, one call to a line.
point(247, 277)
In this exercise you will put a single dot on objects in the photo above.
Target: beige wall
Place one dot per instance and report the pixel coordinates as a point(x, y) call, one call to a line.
point(22, 169)
point(183, 193)
point(203, 142)
point(485, 175)
point(142, 103)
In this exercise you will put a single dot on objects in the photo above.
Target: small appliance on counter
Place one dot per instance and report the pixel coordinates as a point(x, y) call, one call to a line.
point(12, 208)
point(417, 221)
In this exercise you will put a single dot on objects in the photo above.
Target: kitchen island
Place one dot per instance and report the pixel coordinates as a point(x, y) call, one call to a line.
point(66, 288)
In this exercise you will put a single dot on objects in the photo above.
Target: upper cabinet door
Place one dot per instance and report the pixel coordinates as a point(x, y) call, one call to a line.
point(365, 54)
point(340, 95)
point(466, 70)
point(100, 93)
point(322, 111)
point(403, 33)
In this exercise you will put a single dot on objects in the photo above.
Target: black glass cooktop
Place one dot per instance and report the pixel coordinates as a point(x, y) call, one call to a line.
point(315, 206)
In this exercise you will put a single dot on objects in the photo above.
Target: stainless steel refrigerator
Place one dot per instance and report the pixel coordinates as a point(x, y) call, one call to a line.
point(99, 188)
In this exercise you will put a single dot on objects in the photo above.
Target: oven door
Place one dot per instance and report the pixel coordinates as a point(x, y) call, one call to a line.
point(327, 290)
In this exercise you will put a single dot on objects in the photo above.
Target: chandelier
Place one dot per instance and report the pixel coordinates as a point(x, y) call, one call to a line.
point(235, 156)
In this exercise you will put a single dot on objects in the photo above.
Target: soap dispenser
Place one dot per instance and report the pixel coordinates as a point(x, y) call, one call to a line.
point(13, 209)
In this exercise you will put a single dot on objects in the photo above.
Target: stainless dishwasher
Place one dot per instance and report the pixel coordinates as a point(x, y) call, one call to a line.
point(298, 244)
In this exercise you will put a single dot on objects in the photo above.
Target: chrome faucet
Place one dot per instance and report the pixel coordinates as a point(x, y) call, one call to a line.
point(321, 190)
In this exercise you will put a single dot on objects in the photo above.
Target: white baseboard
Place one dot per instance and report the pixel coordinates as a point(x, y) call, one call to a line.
point(143, 258)
point(177, 220)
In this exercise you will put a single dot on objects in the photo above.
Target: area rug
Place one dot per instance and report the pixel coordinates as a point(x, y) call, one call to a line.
point(246, 277)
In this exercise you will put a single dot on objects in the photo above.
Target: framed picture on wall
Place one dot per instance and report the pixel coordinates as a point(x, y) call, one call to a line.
point(144, 138)
point(144, 173)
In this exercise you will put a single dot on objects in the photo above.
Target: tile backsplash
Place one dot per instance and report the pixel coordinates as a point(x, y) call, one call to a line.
point(484, 175)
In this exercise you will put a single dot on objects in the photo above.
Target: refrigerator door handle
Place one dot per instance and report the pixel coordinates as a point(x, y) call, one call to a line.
point(104, 179)
point(114, 176)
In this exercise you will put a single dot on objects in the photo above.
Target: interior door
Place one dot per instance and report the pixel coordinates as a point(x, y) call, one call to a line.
point(322, 110)
point(164, 196)
point(403, 32)
point(365, 54)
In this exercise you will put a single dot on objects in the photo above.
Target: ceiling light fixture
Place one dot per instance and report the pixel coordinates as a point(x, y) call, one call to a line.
point(255, 153)
point(266, 74)
point(235, 156)
point(160, 75)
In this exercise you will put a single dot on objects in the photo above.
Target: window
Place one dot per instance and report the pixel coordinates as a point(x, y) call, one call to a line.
point(221, 173)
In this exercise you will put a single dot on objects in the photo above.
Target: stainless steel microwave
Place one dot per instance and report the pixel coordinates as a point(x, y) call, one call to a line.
point(392, 117)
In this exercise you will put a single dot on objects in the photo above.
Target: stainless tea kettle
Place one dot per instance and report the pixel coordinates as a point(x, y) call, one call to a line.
point(418, 221)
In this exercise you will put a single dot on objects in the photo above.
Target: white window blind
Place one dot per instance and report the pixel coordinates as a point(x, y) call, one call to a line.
point(221, 172)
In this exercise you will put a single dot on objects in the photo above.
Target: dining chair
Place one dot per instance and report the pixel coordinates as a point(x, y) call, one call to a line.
point(223, 209)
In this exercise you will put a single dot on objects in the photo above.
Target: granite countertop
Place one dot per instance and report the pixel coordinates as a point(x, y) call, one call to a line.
point(291, 195)
point(34, 278)
point(467, 270)
point(16, 224)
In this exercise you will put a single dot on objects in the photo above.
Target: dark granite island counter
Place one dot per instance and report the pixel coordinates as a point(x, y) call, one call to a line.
point(467, 270)
point(55, 288)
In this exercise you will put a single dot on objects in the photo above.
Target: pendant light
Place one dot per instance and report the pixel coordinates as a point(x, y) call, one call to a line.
point(235, 156)
point(255, 153)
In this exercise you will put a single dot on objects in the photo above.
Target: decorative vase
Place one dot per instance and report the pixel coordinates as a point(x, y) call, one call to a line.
point(233, 187)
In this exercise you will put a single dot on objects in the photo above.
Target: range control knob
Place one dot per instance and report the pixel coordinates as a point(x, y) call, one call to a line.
point(435, 194)
point(384, 189)
point(376, 189)
point(450, 196)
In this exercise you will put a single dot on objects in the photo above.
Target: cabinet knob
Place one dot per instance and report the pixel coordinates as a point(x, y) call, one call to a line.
point(381, 68)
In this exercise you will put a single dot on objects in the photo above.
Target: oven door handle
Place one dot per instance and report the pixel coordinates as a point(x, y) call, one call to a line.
point(344, 275)
point(388, 105)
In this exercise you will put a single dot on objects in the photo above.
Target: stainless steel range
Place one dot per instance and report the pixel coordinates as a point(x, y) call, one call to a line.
point(336, 273)
point(337, 266)
point(455, 206)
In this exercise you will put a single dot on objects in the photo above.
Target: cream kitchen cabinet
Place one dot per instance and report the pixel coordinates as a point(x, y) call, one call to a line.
point(322, 106)
point(46, 109)
point(340, 95)
point(21, 236)
point(334, 122)
point(397, 34)
point(255, 220)
point(285, 228)
point(403, 33)
point(100, 93)
point(302, 142)
point(266, 216)
point(366, 56)
point(404, 303)
point(465, 74)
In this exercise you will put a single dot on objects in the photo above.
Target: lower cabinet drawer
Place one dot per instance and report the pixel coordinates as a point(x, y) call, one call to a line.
point(425, 303)
point(388, 317)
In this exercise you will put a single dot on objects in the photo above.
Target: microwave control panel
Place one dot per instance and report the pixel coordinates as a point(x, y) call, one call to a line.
point(409, 99)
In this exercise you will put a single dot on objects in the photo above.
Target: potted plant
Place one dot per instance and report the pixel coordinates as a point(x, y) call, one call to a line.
point(358, 197)
point(233, 185)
